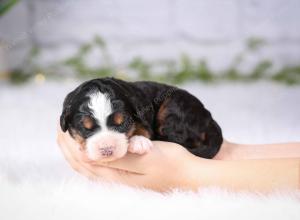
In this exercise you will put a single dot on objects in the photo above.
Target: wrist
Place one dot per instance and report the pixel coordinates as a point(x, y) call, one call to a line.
point(195, 172)
point(227, 151)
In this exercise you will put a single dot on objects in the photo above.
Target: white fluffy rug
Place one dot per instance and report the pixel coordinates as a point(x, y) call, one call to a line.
point(36, 182)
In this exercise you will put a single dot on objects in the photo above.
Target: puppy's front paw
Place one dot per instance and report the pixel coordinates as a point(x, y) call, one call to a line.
point(139, 144)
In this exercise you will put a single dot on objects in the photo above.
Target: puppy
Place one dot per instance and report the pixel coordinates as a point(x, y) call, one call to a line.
point(110, 117)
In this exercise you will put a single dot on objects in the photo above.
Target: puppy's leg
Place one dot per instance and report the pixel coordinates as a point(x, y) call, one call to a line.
point(183, 119)
point(139, 144)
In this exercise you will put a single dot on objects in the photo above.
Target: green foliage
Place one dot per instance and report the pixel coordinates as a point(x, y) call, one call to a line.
point(79, 65)
point(170, 71)
point(203, 72)
point(19, 77)
point(100, 42)
point(173, 72)
point(232, 74)
point(261, 69)
point(288, 75)
point(255, 43)
point(141, 67)
point(5, 5)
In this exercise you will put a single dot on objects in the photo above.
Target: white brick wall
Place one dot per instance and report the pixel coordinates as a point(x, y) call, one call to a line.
point(215, 30)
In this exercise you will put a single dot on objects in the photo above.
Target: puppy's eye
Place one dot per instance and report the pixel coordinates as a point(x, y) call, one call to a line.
point(118, 118)
point(87, 122)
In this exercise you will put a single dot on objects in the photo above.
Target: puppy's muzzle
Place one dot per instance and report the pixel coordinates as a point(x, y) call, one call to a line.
point(107, 145)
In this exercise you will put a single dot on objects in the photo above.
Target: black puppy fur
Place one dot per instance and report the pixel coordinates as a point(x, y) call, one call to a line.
point(156, 111)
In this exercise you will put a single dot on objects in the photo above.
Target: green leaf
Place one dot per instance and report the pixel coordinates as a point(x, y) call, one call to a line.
point(84, 49)
point(99, 41)
point(261, 69)
point(141, 67)
point(203, 71)
point(5, 5)
point(288, 75)
point(18, 76)
point(255, 43)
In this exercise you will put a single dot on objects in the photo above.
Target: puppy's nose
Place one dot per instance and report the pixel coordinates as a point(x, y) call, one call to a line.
point(107, 151)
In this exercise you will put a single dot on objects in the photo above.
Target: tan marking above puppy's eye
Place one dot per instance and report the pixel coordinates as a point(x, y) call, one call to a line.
point(87, 122)
point(118, 118)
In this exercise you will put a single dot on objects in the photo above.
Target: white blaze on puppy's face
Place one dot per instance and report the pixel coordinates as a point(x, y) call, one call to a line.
point(106, 144)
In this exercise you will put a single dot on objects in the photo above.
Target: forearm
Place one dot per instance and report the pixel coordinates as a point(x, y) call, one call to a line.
point(252, 175)
point(233, 151)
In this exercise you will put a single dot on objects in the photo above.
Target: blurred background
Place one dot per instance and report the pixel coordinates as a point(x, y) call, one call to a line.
point(165, 40)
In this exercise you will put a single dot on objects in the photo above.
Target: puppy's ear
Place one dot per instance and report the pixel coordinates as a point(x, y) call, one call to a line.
point(66, 112)
point(64, 120)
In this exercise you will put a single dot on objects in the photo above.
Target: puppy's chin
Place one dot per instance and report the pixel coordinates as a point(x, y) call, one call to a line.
point(106, 146)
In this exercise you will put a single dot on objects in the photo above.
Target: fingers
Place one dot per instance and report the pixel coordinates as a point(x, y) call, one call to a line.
point(161, 162)
point(70, 148)
point(130, 162)
point(71, 158)
point(81, 164)
point(160, 153)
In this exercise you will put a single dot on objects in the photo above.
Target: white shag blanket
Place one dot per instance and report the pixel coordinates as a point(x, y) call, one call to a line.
point(37, 183)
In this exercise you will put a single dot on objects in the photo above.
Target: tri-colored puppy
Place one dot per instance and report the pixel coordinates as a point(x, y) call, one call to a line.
point(109, 117)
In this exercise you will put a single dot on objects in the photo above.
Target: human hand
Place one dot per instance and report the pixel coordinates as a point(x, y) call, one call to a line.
point(160, 169)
